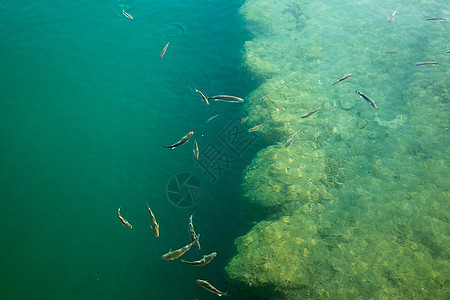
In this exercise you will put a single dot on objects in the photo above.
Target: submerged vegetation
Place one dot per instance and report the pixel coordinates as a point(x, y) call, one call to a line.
point(358, 203)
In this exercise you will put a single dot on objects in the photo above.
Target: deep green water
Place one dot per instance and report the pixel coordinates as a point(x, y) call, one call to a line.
point(86, 105)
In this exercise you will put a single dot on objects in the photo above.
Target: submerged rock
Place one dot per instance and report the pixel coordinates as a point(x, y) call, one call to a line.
point(358, 203)
point(319, 252)
point(278, 175)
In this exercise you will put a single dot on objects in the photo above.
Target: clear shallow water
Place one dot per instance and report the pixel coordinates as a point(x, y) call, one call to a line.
point(87, 104)
point(358, 204)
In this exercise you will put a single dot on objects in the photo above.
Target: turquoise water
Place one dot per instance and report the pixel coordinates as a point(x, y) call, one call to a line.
point(355, 208)
point(86, 106)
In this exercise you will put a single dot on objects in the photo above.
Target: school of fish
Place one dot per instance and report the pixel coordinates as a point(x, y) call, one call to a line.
point(194, 238)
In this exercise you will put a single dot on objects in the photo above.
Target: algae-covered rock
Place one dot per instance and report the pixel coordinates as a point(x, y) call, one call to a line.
point(363, 191)
point(280, 102)
point(262, 17)
point(273, 256)
point(279, 174)
point(314, 253)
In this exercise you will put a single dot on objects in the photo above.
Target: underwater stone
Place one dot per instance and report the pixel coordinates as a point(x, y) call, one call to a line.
point(367, 186)
point(278, 175)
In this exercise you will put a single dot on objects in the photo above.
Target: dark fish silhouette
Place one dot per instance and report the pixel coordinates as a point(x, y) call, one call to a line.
point(289, 141)
point(311, 112)
point(196, 152)
point(210, 118)
point(429, 63)
point(255, 128)
point(392, 17)
point(164, 50)
point(193, 235)
point(124, 222)
point(205, 260)
point(367, 99)
point(227, 98)
point(177, 253)
point(182, 141)
point(208, 286)
point(344, 77)
point(127, 14)
point(155, 225)
point(203, 97)
point(436, 19)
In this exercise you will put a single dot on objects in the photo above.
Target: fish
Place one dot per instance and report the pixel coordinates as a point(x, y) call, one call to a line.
point(177, 253)
point(210, 118)
point(255, 128)
point(208, 286)
point(127, 14)
point(289, 141)
point(429, 63)
point(371, 74)
point(311, 112)
point(244, 119)
point(155, 225)
point(369, 33)
point(436, 19)
point(447, 51)
point(392, 17)
point(164, 50)
point(367, 99)
point(203, 97)
point(390, 52)
point(344, 77)
point(227, 98)
point(196, 153)
point(362, 127)
point(205, 260)
point(194, 237)
point(182, 141)
point(124, 222)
